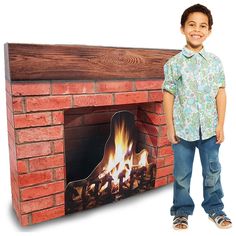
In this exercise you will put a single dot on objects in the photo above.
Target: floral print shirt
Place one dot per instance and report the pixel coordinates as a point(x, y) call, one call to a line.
point(194, 79)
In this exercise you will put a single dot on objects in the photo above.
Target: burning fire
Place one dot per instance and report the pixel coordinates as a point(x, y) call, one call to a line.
point(121, 173)
point(124, 157)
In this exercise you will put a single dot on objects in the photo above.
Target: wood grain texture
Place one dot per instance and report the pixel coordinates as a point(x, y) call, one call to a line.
point(72, 62)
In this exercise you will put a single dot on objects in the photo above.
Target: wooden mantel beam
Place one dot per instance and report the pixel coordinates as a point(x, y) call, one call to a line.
point(79, 62)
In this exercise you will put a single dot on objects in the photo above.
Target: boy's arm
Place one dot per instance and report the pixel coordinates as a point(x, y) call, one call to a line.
point(168, 103)
point(221, 107)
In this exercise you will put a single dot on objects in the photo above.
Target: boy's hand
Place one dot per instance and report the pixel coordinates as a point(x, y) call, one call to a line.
point(172, 136)
point(219, 134)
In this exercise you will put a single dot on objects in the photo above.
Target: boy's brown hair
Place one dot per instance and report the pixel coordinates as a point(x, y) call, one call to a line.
point(197, 8)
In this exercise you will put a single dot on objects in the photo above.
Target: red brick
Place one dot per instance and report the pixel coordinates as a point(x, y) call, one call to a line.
point(164, 151)
point(35, 178)
point(154, 107)
point(47, 162)
point(9, 100)
point(48, 214)
point(163, 141)
point(160, 182)
point(15, 188)
point(147, 128)
point(59, 199)
point(33, 119)
point(24, 220)
point(30, 88)
point(131, 97)
point(22, 166)
point(151, 118)
point(17, 105)
point(11, 134)
point(76, 87)
point(59, 173)
point(159, 108)
point(33, 149)
point(157, 119)
point(58, 146)
point(164, 171)
point(42, 190)
point(151, 140)
point(160, 162)
point(40, 134)
point(163, 130)
point(169, 160)
point(171, 179)
point(48, 103)
point(37, 204)
point(10, 117)
point(149, 84)
point(113, 86)
point(155, 96)
point(12, 156)
point(58, 117)
point(93, 100)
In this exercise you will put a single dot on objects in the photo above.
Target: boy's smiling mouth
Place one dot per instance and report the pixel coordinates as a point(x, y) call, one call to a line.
point(196, 36)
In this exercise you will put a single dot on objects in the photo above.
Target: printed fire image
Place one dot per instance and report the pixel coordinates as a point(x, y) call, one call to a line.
point(121, 173)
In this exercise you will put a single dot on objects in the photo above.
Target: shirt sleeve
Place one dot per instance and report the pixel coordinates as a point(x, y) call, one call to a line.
point(220, 75)
point(169, 83)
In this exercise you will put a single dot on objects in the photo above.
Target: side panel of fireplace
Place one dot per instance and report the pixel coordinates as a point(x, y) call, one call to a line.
point(40, 91)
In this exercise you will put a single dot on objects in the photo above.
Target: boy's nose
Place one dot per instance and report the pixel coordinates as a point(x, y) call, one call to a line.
point(197, 29)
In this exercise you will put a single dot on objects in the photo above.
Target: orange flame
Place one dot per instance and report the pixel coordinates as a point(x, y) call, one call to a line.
point(123, 157)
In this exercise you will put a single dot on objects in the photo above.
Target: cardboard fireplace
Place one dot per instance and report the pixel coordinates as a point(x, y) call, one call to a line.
point(85, 126)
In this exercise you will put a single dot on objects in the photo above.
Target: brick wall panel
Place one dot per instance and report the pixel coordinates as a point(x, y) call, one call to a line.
point(34, 178)
point(48, 103)
point(149, 84)
point(48, 214)
point(42, 190)
point(33, 149)
point(75, 87)
point(93, 100)
point(47, 162)
point(58, 146)
point(58, 117)
point(39, 134)
point(31, 88)
point(131, 97)
point(17, 105)
point(32, 119)
point(155, 96)
point(113, 86)
point(37, 204)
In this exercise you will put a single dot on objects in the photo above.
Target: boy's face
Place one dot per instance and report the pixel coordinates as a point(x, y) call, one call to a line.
point(196, 30)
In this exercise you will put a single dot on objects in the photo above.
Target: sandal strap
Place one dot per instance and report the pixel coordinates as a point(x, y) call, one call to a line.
point(219, 219)
point(180, 220)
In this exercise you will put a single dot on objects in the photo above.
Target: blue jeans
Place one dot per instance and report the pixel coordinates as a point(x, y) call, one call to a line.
point(183, 161)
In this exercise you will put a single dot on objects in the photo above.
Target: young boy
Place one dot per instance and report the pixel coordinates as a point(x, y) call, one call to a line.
point(194, 104)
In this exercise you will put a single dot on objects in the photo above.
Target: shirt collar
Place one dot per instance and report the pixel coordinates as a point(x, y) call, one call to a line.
point(188, 53)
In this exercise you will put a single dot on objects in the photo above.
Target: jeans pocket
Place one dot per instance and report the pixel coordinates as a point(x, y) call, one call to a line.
point(215, 166)
point(214, 174)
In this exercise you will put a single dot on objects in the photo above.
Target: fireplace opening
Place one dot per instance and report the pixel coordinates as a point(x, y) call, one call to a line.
point(107, 157)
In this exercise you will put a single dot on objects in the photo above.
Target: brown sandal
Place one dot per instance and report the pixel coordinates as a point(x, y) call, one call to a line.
point(180, 222)
point(219, 220)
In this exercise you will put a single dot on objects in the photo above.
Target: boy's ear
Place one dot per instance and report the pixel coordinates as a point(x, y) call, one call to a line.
point(182, 29)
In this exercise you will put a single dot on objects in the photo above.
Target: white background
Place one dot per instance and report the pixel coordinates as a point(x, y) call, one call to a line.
point(145, 24)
